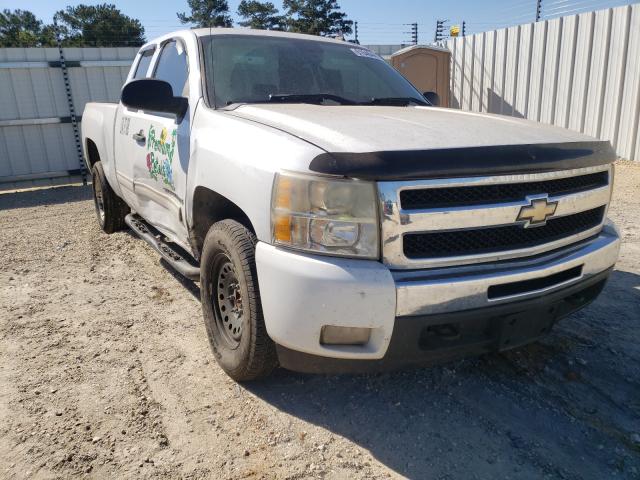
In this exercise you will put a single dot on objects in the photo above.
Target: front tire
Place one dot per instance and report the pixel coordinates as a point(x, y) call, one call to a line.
point(110, 209)
point(231, 303)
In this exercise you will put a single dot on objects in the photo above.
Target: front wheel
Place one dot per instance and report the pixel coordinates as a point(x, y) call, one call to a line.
point(231, 303)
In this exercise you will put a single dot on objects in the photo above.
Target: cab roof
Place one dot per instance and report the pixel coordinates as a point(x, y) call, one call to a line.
point(205, 32)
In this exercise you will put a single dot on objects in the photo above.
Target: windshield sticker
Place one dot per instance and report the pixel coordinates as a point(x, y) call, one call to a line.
point(159, 160)
point(361, 52)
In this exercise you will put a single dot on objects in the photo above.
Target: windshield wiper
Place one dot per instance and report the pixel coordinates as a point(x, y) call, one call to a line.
point(316, 98)
point(319, 98)
point(396, 101)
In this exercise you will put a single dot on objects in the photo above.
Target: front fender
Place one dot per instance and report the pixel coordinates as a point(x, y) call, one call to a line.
point(238, 159)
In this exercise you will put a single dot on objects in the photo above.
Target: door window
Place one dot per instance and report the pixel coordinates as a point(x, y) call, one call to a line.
point(143, 64)
point(173, 68)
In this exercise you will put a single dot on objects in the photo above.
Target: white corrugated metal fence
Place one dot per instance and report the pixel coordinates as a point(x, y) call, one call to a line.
point(580, 72)
point(37, 143)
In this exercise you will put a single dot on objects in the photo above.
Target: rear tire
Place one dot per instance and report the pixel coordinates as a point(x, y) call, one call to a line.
point(110, 209)
point(231, 303)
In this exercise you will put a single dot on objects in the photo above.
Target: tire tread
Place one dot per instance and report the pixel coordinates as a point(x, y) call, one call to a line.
point(262, 357)
point(115, 209)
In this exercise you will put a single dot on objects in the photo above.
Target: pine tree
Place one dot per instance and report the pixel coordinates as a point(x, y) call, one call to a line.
point(21, 28)
point(207, 13)
point(260, 15)
point(317, 17)
point(98, 26)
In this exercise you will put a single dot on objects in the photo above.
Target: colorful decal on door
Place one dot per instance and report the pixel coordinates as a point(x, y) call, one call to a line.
point(160, 158)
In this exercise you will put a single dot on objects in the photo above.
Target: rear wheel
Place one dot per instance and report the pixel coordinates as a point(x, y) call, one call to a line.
point(110, 209)
point(231, 303)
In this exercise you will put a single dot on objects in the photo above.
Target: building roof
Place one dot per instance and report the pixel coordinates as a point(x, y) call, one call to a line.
point(420, 47)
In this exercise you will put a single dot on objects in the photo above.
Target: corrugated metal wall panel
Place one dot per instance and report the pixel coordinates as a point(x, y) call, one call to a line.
point(497, 93)
point(581, 72)
point(477, 75)
point(467, 73)
point(467, 85)
point(615, 73)
point(565, 71)
point(36, 91)
point(523, 67)
point(487, 67)
point(550, 74)
point(457, 73)
point(511, 70)
point(630, 111)
point(538, 55)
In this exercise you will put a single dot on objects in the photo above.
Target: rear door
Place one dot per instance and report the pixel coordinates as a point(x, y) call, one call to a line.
point(128, 123)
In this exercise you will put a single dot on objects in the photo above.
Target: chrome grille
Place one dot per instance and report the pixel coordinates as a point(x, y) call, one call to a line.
point(459, 221)
point(417, 199)
point(485, 240)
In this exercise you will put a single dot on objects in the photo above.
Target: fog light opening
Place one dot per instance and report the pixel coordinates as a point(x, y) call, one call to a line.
point(332, 335)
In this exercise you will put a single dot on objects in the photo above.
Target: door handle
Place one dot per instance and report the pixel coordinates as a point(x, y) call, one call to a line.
point(139, 137)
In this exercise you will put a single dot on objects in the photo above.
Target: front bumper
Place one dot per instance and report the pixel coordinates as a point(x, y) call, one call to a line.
point(422, 316)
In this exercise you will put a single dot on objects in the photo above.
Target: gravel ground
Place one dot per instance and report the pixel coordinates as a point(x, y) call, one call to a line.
point(105, 372)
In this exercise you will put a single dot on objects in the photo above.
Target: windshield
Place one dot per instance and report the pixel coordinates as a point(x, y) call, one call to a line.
point(254, 69)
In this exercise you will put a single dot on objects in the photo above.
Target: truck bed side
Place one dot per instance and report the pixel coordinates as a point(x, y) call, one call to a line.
point(98, 126)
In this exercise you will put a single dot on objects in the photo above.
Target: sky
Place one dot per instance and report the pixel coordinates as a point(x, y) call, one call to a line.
point(379, 21)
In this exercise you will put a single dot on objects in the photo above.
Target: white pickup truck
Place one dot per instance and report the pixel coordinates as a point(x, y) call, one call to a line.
point(335, 219)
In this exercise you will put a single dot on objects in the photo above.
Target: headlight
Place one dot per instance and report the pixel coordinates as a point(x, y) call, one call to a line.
point(336, 217)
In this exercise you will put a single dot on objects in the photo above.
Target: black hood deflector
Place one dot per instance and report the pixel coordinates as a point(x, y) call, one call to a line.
point(464, 162)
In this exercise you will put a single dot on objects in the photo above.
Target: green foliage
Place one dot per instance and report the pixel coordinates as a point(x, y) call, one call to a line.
point(259, 15)
point(316, 17)
point(207, 13)
point(21, 28)
point(98, 26)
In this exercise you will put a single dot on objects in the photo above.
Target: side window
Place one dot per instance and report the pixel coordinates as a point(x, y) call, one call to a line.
point(172, 67)
point(143, 64)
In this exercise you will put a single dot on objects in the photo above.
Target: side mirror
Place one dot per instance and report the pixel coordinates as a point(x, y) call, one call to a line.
point(153, 95)
point(432, 97)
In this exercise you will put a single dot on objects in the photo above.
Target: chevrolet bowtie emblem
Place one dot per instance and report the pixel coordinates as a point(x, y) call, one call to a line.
point(537, 212)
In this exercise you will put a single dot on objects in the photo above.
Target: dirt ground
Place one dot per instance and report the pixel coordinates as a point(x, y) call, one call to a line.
point(105, 372)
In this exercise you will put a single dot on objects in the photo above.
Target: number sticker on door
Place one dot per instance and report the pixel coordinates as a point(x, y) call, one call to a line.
point(124, 126)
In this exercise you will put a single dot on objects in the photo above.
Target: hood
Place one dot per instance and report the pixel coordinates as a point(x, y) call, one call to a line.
point(403, 143)
point(376, 128)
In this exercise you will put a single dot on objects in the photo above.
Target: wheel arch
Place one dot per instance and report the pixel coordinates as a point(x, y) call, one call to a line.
point(209, 207)
point(93, 155)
